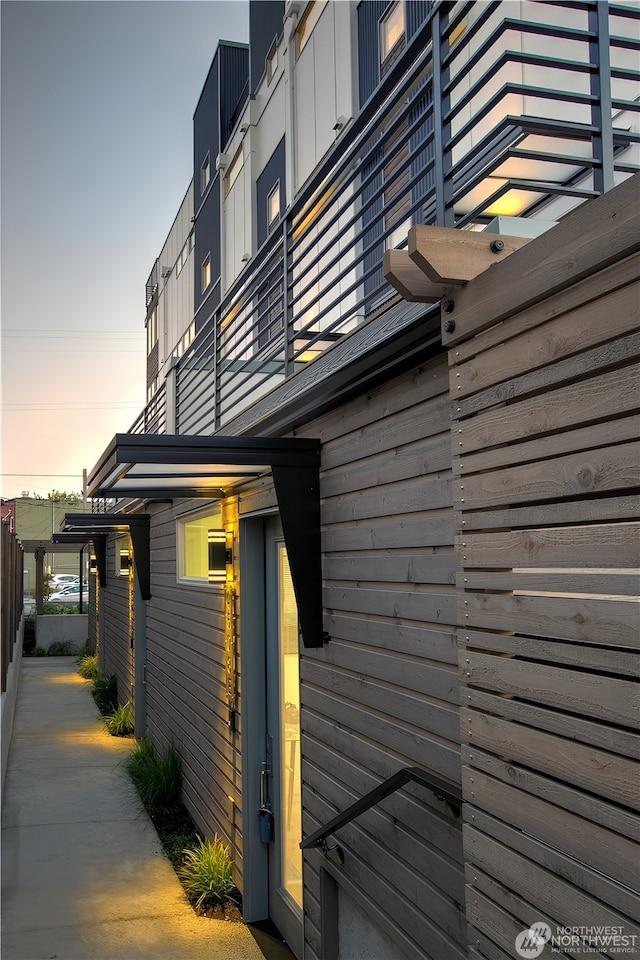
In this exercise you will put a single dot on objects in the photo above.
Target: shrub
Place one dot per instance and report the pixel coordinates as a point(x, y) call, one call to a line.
point(105, 692)
point(39, 652)
point(120, 722)
point(157, 779)
point(61, 648)
point(206, 873)
point(88, 667)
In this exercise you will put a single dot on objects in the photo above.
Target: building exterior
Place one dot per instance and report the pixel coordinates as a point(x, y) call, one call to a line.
point(36, 519)
point(284, 587)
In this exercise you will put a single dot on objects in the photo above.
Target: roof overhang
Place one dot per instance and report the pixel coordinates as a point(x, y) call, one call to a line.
point(167, 466)
point(82, 527)
point(159, 466)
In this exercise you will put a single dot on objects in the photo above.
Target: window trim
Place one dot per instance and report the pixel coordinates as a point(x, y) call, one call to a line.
point(233, 170)
point(307, 24)
point(386, 59)
point(273, 61)
point(272, 221)
point(205, 173)
point(181, 523)
point(205, 273)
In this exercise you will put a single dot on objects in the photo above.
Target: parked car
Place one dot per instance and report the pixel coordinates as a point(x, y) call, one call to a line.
point(60, 580)
point(70, 594)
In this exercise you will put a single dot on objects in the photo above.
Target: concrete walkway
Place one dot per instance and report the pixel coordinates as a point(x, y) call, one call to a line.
point(83, 873)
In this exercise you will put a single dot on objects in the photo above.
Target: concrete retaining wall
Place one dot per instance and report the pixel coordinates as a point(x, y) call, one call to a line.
point(58, 627)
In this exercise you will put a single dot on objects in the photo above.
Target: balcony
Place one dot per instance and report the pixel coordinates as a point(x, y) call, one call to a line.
point(482, 115)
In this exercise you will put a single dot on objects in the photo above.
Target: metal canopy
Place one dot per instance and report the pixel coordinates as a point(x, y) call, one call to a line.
point(169, 466)
point(99, 545)
point(80, 527)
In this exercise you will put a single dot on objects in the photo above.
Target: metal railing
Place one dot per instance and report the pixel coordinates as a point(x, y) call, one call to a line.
point(482, 114)
point(446, 792)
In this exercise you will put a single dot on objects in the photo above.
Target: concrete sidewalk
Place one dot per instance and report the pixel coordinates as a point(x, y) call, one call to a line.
point(83, 873)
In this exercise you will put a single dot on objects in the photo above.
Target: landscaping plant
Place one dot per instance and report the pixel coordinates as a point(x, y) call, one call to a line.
point(206, 873)
point(158, 779)
point(105, 692)
point(120, 722)
point(88, 667)
point(61, 648)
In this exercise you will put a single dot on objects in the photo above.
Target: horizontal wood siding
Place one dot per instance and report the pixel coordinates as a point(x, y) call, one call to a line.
point(186, 694)
point(546, 478)
point(116, 606)
point(383, 693)
point(94, 612)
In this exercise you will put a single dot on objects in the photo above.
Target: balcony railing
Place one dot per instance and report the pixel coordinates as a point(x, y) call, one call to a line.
point(482, 115)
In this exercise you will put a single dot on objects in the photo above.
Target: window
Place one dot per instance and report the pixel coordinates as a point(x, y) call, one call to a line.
point(273, 206)
point(205, 173)
point(194, 545)
point(308, 22)
point(152, 330)
point(183, 256)
point(234, 169)
point(392, 33)
point(272, 62)
point(206, 272)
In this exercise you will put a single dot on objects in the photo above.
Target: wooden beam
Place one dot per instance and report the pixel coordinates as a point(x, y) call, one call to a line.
point(447, 255)
point(410, 281)
point(598, 233)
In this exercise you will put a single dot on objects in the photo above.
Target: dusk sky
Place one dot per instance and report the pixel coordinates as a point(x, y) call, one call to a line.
point(97, 107)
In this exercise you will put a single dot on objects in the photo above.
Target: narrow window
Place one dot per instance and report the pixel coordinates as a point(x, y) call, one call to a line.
point(206, 272)
point(272, 62)
point(308, 22)
point(205, 173)
point(234, 169)
point(392, 33)
point(273, 206)
point(152, 330)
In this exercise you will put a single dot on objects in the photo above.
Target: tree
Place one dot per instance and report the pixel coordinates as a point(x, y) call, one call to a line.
point(58, 495)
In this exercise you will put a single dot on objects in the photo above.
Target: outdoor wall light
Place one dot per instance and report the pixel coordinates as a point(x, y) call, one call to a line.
point(220, 544)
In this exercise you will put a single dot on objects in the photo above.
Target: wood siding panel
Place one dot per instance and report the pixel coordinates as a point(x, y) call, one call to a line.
point(186, 692)
point(117, 609)
point(545, 455)
point(383, 693)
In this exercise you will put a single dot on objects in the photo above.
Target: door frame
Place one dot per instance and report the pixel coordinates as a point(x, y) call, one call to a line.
point(255, 894)
point(254, 539)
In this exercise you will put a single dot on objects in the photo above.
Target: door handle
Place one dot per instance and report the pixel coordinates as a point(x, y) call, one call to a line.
point(264, 784)
point(265, 814)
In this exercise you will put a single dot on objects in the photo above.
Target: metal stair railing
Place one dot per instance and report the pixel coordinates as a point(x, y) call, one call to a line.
point(447, 792)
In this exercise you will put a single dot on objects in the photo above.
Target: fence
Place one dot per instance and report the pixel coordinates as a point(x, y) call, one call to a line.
point(544, 390)
point(11, 595)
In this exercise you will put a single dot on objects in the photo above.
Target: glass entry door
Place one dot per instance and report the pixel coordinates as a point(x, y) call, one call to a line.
point(282, 778)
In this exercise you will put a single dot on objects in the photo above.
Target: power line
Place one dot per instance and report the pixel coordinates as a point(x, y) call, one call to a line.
point(55, 476)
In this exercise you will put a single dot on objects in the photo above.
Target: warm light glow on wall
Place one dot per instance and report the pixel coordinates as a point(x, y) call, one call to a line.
point(513, 203)
point(314, 212)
